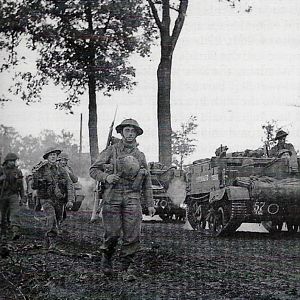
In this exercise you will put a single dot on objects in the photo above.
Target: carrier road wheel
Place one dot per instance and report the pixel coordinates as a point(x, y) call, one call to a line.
point(216, 220)
point(291, 227)
point(196, 215)
point(220, 220)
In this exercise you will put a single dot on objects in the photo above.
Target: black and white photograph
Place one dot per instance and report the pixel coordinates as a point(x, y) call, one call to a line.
point(149, 149)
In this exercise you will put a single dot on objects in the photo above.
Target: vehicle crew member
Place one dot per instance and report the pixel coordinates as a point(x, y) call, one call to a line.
point(281, 144)
point(123, 170)
point(12, 189)
point(52, 184)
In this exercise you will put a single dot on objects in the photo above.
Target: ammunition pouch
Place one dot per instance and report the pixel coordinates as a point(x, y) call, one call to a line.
point(57, 192)
point(42, 184)
point(139, 180)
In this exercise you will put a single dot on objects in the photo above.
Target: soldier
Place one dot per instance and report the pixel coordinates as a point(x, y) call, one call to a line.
point(52, 184)
point(63, 159)
point(11, 185)
point(284, 153)
point(281, 144)
point(123, 170)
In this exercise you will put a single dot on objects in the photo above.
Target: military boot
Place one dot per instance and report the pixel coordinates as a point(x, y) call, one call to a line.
point(3, 236)
point(50, 240)
point(128, 270)
point(15, 233)
point(106, 263)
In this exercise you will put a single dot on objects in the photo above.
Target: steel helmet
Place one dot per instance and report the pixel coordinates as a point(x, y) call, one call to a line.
point(63, 155)
point(51, 150)
point(282, 151)
point(128, 166)
point(11, 156)
point(130, 122)
point(280, 134)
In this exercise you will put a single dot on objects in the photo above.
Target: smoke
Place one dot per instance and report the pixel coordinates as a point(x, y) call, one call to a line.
point(177, 190)
point(88, 187)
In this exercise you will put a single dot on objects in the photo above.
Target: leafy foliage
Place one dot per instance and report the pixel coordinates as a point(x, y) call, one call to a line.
point(182, 142)
point(72, 40)
point(270, 128)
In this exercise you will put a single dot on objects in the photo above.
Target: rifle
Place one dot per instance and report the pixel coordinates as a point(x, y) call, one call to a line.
point(99, 186)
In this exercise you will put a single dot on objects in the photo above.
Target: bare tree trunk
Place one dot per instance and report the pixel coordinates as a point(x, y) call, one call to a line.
point(168, 42)
point(92, 124)
point(163, 111)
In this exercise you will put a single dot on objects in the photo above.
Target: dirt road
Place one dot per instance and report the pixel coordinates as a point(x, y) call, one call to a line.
point(174, 263)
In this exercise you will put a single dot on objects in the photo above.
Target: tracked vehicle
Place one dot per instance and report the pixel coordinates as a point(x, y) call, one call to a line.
point(168, 192)
point(224, 192)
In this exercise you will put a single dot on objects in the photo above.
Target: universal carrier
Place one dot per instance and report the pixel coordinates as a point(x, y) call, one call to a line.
point(222, 193)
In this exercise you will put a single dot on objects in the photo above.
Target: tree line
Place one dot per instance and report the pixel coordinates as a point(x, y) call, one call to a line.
point(30, 149)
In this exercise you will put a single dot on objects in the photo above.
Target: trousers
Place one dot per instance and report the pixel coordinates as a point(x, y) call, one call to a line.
point(10, 205)
point(54, 215)
point(122, 216)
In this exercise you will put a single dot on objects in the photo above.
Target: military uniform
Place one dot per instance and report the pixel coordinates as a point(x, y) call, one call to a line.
point(276, 150)
point(52, 184)
point(11, 187)
point(71, 174)
point(122, 211)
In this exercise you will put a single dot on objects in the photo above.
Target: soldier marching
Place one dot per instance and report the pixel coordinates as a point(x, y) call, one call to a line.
point(123, 170)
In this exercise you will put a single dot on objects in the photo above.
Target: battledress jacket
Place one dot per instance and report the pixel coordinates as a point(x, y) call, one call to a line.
point(45, 178)
point(13, 183)
point(275, 150)
point(99, 170)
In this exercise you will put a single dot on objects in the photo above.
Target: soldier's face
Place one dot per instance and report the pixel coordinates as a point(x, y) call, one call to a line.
point(11, 163)
point(63, 162)
point(52, 157)
point(281, 140)
point(285, 155)
point(129, 134)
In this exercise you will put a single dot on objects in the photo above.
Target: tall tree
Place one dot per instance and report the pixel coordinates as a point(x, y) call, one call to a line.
point(81, 45)
point(168, 40)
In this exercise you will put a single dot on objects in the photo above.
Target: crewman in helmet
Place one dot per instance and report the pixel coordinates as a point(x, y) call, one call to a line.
point(281, 144)
point(123, 170)
point(11, 187)
point(52, 184)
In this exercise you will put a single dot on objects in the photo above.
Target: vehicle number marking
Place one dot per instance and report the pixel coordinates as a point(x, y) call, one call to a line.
point(156, 201)
point(258, 208)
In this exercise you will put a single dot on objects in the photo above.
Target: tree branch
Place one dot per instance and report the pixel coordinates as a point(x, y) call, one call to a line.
point(155, 14)
point(179, 22)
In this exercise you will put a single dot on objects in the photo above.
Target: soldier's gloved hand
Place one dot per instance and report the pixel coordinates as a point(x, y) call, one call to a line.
point(113, 178)
point(151, 211)
point(69, 205)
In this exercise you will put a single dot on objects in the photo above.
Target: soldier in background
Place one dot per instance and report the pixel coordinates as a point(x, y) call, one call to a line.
point(12, 190)
point(52, 183)
point(123, 170)
point(63, 160)
point(281, 144)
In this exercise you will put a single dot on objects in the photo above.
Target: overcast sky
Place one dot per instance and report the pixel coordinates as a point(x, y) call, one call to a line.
point(234, 71)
